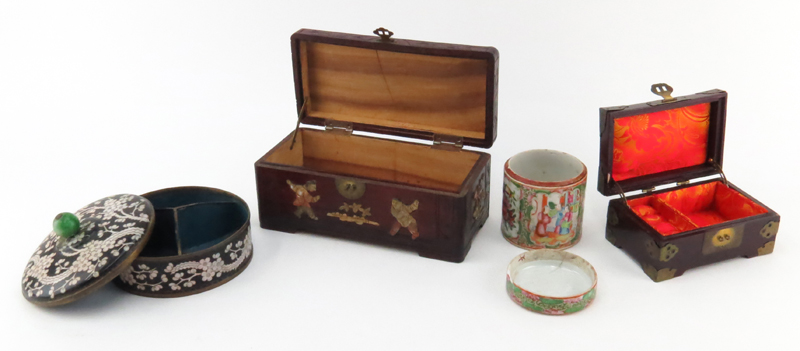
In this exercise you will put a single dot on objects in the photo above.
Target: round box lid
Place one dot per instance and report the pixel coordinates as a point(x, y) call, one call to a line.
point(551, 282)
point(68, 266)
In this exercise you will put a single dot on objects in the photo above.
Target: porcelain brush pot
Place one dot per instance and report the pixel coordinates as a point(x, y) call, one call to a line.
point(543, 193)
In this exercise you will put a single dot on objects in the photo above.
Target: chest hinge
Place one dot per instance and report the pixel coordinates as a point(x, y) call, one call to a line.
point(339, 127)
point(447, 142)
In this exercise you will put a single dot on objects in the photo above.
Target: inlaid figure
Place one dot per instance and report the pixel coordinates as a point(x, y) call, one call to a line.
point(402, 213)
point(304, 199)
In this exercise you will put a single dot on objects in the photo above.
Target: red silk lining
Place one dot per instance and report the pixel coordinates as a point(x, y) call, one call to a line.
point(660, 141)
point(698, 206)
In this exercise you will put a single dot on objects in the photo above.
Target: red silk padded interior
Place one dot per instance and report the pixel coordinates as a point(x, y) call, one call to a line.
point(698, 206)
point(660, 141)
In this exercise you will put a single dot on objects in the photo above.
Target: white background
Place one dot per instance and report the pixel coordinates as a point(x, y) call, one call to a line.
point(105, 97)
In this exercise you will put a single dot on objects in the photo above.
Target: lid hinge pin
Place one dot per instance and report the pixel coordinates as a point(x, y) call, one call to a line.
point(448, 142)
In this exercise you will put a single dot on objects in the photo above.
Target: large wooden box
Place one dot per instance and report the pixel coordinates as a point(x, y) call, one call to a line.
point(429, 197)
point(691, 223)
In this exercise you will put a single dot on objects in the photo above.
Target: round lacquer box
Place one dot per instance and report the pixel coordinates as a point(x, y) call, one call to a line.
point(551, 282)
point(201, 240)
point(543, 196)
point(167, 243)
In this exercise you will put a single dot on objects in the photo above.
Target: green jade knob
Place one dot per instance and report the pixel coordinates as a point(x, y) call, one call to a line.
point(66, 225)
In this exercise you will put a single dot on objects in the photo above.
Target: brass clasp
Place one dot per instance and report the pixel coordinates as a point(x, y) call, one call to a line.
point(350, 188)
point(663, 90)
point(385, 34)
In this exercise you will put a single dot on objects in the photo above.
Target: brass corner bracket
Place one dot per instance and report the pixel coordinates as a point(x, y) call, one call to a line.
point(766, 249)
point(663, 254)
point(659, 275)
point(770, 229)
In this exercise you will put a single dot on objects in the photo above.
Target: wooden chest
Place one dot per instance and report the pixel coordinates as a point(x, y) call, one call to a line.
point(675, 141)
point(429, 197)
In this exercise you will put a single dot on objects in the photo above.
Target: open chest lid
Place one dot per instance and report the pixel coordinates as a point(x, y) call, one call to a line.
point(668, 141)
point(378, 84)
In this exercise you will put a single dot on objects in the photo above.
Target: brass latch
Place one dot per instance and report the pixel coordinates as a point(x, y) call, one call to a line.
point(350, 188)
point(663, 90)
point(385, 34)
point(338, 127)
point(448, 142)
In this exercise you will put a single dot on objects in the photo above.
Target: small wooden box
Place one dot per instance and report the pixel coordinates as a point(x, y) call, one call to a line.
point(677, 140)
point(429, 197)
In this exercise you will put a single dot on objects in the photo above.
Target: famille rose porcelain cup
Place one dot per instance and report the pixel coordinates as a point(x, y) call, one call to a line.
point(543, 193)
point(551, 282)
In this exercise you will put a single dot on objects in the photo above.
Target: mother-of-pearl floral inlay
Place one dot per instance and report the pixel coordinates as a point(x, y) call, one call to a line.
point(185, 275)
point(110, 229)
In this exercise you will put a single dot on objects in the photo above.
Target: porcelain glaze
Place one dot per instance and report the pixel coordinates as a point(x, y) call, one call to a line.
point(543, 196)
point(551, 282)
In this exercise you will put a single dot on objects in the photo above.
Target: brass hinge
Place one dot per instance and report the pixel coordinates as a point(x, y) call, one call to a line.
point(682, 183)
point(648, 190)
point(448, 142)
point(339, 127)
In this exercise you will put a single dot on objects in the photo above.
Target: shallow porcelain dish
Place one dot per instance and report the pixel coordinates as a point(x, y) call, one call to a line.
point(551, 282)
point(543, 196)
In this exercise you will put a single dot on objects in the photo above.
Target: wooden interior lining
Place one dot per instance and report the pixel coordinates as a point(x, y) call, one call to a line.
point(388, 160)
point(283, 155)
point(443, 95)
